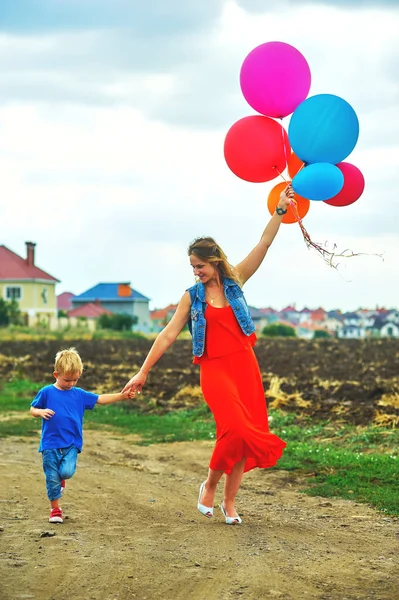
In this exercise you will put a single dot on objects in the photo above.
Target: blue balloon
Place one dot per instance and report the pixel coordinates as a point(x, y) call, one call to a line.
point(323, 128)
point(319, 181)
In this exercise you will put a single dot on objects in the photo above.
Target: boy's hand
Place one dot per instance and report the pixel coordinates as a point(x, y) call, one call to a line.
point(47, 413)
point(128, 395)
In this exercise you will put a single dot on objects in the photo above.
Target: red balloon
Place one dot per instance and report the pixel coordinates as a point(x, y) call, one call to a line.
point(353, 186)
point(256, 148)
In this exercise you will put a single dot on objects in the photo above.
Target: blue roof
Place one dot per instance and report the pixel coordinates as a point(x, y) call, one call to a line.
point(109, 292)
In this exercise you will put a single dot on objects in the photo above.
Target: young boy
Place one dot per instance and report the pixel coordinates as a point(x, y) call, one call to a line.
point(61, 407)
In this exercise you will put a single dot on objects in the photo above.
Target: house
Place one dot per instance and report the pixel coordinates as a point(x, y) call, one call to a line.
point(318, 316)
point(161, 317)
point(331, 324)
point(30, 286)
point(270, 315)
point(119, 298)
point(64, 301)
point(384, 327)
point(290, 314)
point(259, 318)
point(306, 330)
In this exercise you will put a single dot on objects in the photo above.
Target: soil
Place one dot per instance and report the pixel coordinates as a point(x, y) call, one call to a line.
point(132, 531)
point(354, 381)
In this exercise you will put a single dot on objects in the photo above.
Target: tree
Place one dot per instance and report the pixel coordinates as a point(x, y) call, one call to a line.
point(278, 330)
point(321, 333)
point(117, 322)
point(9, 313)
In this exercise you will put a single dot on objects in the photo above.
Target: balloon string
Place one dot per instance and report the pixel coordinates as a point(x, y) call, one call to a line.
point(328, 257)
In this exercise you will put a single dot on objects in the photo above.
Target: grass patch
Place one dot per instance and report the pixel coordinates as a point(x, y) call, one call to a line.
point(22, 333)
point(358, 463)
point(18, 394)
point(177, 426)
point(28, 427)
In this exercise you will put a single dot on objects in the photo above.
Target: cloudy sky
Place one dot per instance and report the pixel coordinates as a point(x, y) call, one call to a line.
point(113, 115)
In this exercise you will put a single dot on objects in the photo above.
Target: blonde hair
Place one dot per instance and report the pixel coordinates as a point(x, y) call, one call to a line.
point(68, 362)
point(207, 249)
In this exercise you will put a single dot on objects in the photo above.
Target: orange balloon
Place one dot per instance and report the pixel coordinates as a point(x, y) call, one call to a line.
point(295, 164)
point(302, 204)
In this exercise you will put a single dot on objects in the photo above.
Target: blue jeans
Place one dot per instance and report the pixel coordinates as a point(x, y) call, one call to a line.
point(58, 464)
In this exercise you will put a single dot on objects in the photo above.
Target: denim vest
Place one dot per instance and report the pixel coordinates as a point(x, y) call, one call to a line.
point(197, 322)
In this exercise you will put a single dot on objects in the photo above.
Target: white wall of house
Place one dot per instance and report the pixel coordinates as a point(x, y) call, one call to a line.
point(142, 312)
point(389, 330)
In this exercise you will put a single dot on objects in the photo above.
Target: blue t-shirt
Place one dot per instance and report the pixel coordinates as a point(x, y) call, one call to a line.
point(64, 428)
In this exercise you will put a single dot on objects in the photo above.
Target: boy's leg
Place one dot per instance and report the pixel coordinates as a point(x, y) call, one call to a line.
point(53, 483)
point(53, 479)
point(67, 466)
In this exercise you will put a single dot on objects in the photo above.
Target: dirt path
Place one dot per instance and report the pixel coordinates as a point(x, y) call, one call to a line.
point(133, 532)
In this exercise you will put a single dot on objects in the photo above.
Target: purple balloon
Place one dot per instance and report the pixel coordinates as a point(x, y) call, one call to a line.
point(275, 78)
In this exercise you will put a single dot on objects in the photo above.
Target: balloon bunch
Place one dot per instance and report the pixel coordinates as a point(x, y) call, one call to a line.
point(275, 80)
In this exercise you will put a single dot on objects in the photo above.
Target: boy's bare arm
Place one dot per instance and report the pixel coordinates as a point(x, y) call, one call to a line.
point(111, 398)
point(45, 413)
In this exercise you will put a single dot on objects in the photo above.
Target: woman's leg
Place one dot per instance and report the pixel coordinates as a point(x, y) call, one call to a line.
point(231, 487)
point(208, 493)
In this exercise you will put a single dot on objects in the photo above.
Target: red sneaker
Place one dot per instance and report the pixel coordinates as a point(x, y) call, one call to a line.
point(56, 516)
point(62, 485)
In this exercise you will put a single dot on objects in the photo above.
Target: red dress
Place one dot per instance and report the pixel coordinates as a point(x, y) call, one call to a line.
point(232, 386)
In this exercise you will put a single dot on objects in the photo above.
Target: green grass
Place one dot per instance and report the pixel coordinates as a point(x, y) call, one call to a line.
point(177, 426)
point(359, 463)
point(17, 395)
point(21, 333)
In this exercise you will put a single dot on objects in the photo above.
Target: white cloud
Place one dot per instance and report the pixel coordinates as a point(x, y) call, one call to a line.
point(114, 163)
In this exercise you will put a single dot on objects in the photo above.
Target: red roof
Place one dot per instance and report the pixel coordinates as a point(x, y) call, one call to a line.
point(64, 301)
point(13, 266)
point(289, 309)
point(89, 311)
point(162, 313)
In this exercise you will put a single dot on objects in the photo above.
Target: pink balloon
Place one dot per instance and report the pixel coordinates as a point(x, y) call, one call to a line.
point(275, 78)
point(353, 186)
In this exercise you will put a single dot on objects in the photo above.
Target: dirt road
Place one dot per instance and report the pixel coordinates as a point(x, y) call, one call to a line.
point(132, 532)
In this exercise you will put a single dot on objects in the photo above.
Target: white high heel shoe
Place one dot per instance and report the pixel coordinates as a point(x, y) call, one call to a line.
point(204, 510)
point(230, 520)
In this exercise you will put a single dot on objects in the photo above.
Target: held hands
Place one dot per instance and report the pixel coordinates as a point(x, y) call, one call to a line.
point(285, 197)
point(129, 394)
point(135, 384)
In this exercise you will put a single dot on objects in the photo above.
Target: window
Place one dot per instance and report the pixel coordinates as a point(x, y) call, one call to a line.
point(44, 295)
point(13, 293)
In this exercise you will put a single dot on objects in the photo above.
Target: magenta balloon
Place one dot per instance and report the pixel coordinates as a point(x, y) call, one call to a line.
point(275, 78)
point(353, 186)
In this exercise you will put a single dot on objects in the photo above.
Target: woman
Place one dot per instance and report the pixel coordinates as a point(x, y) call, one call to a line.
point(223, 337)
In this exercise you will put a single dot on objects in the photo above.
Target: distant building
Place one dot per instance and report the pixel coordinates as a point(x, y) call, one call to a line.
point(64, 301)
point(118, 298)
point(91, 310)
point(30, 286)
point(161, 317)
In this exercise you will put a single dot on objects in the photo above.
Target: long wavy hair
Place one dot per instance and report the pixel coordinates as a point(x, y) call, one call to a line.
point(205, 248)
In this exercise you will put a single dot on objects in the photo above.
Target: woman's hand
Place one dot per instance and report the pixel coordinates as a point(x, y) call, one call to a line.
point(136, 383)
point(285, 197)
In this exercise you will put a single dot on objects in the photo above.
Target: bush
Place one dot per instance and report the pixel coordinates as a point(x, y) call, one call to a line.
point(9, 313)
point(278, 330)
point(117, 322)
point(321, 333)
